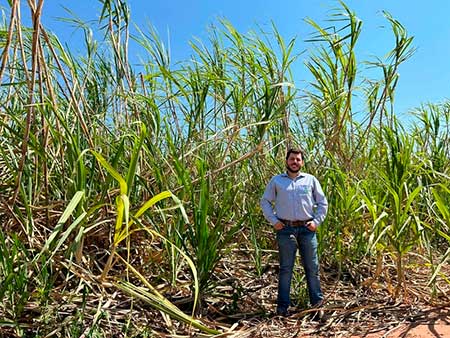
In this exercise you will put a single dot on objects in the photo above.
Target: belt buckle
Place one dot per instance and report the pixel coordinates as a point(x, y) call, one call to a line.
point(298, 223)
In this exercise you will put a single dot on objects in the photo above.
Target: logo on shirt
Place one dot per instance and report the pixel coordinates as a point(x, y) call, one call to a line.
point(303, 190)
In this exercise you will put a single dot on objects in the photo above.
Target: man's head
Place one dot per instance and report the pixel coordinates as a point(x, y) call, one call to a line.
point(294, 160)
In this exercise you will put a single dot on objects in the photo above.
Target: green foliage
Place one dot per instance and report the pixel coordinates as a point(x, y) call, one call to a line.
point(116, 180)
point(214, 224)
point(14, 286)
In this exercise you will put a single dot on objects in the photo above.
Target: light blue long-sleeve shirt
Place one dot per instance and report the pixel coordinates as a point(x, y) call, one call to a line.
point(294, 199)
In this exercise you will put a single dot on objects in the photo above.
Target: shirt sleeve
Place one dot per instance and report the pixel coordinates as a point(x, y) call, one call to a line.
point(321, 203)
point(266, 203)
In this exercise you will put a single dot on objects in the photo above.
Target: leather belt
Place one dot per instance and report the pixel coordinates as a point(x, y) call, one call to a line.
point(298, 223)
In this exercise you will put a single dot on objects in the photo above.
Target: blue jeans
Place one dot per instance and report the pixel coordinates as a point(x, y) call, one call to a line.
point(289, 239)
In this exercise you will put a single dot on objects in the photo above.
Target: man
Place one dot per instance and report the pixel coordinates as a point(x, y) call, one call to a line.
point(294, 203)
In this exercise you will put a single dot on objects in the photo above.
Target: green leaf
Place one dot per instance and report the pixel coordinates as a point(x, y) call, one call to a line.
point(76, 199)
point(112, 172)
point(135, 156)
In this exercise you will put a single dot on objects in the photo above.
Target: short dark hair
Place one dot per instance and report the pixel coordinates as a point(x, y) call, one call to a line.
point(295, 151)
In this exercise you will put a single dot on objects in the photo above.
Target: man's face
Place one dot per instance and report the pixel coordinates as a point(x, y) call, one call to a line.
point(294, 162)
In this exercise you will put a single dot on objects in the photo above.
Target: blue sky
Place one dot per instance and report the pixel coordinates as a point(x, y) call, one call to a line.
point(424, 78)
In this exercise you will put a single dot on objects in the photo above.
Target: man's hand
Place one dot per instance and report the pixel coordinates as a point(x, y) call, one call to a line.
point(311, 226)
point(278, 226)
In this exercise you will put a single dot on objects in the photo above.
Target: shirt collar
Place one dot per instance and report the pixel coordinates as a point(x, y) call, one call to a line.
point(286, 175)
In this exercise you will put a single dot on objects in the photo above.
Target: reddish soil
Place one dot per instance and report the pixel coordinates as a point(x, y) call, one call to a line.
point(438, 327)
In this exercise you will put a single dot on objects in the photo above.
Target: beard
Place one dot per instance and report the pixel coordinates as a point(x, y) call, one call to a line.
point(292, 170)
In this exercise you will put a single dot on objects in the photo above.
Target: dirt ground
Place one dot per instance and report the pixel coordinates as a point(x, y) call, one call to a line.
point(427, 323)
point(352, 309)
point(356, 305)
point(437, 325)
point(437, 329)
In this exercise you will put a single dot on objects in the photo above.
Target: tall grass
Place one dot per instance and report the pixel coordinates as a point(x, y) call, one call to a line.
point(113, 181)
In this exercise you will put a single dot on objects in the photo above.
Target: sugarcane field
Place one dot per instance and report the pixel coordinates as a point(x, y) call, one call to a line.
point(238, 182)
